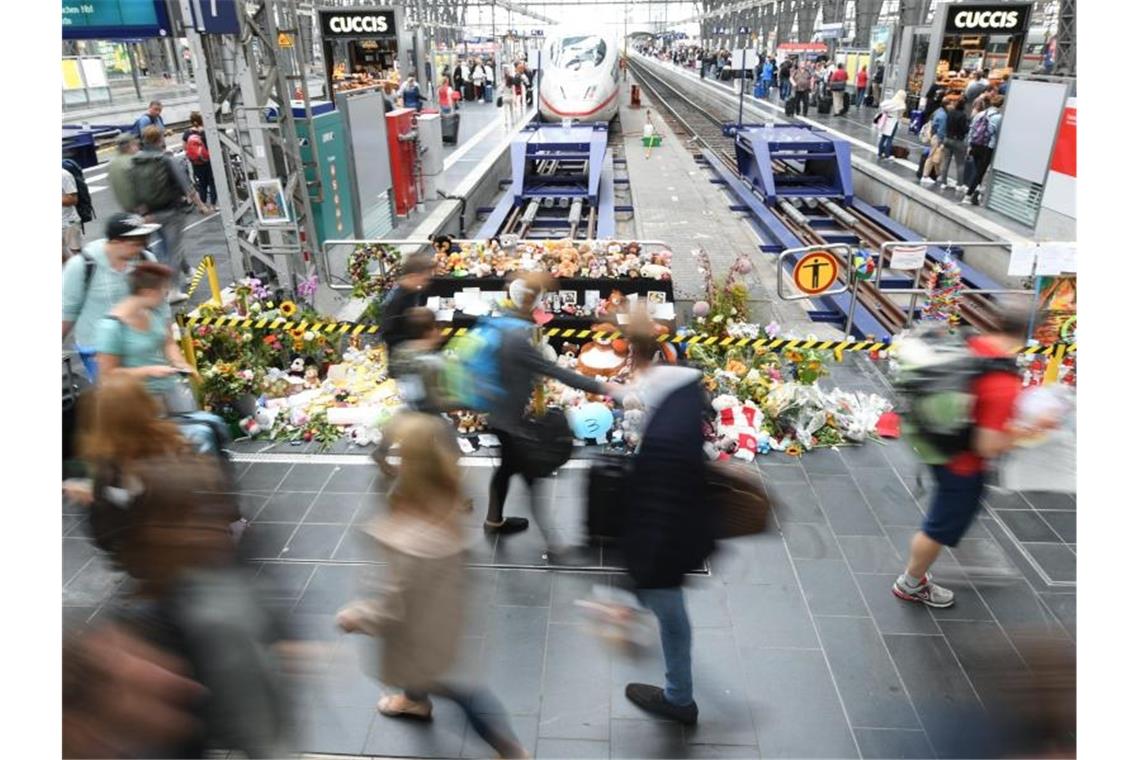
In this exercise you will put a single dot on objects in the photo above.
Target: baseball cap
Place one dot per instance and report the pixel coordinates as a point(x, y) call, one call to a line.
point(124, 225)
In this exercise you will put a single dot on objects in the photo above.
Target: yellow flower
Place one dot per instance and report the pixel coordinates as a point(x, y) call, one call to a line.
point(794, 450)
point(287, 308)
point(297, 333)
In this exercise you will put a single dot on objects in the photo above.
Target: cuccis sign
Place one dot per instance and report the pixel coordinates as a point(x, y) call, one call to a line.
point(1004, 18)
point(358, 23)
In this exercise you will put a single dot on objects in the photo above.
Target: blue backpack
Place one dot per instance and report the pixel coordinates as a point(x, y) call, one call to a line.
point(473, 377)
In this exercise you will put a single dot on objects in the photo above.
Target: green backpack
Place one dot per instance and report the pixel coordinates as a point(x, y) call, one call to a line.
point(935, 376)
point(154, 186)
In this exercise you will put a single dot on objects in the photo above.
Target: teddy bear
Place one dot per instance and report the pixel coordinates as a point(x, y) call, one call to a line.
point(466, 423)
point(567, 262)
point(569, 356)
point(738, 428)
point(364, 435)
point(655, 272)
point(312, 377)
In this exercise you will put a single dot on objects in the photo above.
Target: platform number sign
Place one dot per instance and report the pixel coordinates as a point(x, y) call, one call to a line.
point(816, 272)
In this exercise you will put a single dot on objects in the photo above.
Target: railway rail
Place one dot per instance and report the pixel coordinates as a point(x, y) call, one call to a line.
point(703, 118)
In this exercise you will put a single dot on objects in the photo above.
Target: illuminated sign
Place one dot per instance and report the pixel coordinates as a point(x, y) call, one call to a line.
point(1003, 18)
point(358, 22)
point(114, 19)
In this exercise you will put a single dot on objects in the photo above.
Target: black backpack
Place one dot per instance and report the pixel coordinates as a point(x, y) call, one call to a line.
point(84, 207)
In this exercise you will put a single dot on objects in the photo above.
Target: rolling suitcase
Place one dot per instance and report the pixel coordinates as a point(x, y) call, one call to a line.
point(449, 127)
point(468, 91)
point(488, 93)
point(824, 106)
point(790, 107)
point(605, 497)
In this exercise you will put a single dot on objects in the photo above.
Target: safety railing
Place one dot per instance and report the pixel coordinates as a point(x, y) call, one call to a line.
point(903, 256)
point(338, 276)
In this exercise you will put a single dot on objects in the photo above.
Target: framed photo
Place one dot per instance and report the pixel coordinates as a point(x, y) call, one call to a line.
point(656, 297)
point(269, 201)
point(568, 297)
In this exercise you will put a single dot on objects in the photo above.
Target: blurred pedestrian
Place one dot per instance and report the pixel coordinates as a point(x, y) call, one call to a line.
point(152, 118)
point(520, 365)
point(837, 83)
point(668, 529)
point(198, 154)
point(161, 190)
point(96, 280)
point(887, 122)
point(648, 134)
point(961, 480)
point(861, 87)
point(416, 272)
point(72, 224)
point(954, 146)
point(119, 168)
point(984, 130)
point(417, 611)
point(802, 81)
point(135, 337)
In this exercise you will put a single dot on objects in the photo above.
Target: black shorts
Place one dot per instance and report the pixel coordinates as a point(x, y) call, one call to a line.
point(954, 505)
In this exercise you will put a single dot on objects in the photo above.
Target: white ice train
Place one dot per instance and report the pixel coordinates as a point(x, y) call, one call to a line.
point(580, 77)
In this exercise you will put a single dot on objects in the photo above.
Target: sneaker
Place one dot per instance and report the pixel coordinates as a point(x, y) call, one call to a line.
point(507, 526)
point(928, 593)
point(177, 297)
point(966, 199)
point(652, 699)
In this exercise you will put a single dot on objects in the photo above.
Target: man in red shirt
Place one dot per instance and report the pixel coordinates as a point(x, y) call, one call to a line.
point(838, 88)
point(960, 482)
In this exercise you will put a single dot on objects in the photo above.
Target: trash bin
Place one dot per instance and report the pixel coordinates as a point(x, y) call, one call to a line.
point(449, 126)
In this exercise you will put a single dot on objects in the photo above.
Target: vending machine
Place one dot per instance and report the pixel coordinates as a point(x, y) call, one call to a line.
point(403, 156)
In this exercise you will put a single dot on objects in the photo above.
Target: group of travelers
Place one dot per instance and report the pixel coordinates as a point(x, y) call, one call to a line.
point(962, 128)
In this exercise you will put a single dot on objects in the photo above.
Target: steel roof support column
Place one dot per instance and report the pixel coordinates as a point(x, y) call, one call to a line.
point(866, 14)
point(1065, 60)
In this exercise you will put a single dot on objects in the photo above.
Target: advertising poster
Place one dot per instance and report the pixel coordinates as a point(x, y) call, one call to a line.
point(880, 45)
point(1057, 306)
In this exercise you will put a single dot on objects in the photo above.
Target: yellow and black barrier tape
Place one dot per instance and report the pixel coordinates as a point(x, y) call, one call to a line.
point(774, 344)
point(200, 272)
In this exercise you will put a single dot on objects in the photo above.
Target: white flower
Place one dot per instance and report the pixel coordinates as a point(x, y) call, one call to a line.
point(718, 318)
point(308, 335)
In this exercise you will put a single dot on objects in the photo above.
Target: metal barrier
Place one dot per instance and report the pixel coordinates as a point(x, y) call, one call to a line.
point(914, 259)
point(408, 246)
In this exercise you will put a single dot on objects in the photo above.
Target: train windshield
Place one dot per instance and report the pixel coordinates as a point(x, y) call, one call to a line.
point(575, 53)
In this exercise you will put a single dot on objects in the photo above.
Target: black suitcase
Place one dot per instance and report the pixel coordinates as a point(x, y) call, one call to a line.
point(605, 497)
point(824, 106)
point(468, 91)
point(449, 127)
point(790, 106)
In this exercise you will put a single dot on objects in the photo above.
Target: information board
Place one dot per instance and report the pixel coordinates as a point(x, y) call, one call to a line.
point(114, 19)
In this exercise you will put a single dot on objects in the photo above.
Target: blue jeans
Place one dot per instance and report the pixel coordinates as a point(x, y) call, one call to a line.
point(785, 88)
point(486, 713)
point(668, 604)
point(886, 141)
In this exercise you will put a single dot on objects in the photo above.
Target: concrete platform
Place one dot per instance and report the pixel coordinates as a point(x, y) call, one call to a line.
point(676, 203)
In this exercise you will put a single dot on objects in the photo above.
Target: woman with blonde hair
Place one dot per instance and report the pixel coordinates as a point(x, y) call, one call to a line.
point(417, 609)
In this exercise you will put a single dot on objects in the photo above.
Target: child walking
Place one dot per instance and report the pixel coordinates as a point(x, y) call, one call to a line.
point(649, 137)
point(417, 609)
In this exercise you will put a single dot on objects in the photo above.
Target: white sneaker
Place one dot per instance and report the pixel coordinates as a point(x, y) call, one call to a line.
point(927, 593)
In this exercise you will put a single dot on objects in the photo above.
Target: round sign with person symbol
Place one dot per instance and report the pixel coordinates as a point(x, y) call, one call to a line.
point(816, 272)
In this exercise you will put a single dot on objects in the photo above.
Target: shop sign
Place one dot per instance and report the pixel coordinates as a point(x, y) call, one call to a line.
point(358, 22)
point(996, 18)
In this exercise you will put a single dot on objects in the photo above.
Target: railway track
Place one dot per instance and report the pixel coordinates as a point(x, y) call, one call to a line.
point(702, 118)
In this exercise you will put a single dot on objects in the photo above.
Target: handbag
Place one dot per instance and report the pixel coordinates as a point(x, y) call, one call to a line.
point(499, 102)
point(179, 399)
point(546, 443)
point(741, 500)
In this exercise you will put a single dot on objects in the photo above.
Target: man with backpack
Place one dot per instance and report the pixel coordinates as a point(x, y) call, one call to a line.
point(119, 171)
point(97, 279)
point(161, 188)
point(983, 139)
point(152, 118)
point(500, 366)
point(961, 396)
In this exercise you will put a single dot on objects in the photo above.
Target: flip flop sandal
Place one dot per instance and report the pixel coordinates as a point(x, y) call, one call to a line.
point(419, 711)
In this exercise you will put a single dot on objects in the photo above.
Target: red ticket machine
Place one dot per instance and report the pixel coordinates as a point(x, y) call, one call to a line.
point(402, 155)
